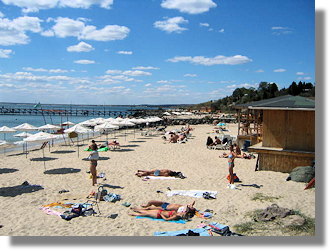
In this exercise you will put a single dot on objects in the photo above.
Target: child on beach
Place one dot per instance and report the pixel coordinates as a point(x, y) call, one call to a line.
point(93, 157)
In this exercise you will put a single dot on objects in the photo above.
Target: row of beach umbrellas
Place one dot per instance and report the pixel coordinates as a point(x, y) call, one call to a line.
point(99, 124)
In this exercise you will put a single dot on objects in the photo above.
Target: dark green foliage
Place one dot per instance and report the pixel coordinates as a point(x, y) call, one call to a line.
point(265, 90)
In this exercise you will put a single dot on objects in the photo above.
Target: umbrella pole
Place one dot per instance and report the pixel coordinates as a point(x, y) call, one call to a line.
point(78, 146)
point(43, 157)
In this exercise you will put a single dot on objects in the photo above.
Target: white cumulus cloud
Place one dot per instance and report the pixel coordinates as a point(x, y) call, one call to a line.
point(14, 31)
point(125, 52)
point(145, 68)
point(84, 61)
point(36, 5)
point(67, 27)
point(81, 47)
point(5, 53)
point(280, 70)
point(201, 60)
point(171, 24)
point(189, 6)
point(190, 75)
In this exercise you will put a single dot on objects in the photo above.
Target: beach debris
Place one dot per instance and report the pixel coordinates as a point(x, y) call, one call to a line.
point(25, 183)
point(252, 185)
point(207, 195)
point(112, 216)
point(126, 204)
point(63, 191)
point(158, 191)
point(273, 212)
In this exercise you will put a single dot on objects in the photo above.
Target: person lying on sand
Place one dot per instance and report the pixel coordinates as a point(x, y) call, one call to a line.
point(161, 205)
point(157, 172)
point(159, 214)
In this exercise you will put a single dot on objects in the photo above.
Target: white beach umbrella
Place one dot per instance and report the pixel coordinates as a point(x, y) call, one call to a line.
point(6, 129)
point(105, 127)
point(99, 121)
point(49, 127)
point(67, 123)
point(79, 129)
point(40, 137)
point(167, 113)
point(26, 127)
point(5, 144)
point(23, 135)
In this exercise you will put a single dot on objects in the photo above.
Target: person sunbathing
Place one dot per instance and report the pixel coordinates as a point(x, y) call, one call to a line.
point(174, 138)
point(159, 214)
point(161, 205)
point(217, 141)
point(157, 172)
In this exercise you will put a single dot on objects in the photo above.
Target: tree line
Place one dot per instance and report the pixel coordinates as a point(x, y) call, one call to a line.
point(265, 90)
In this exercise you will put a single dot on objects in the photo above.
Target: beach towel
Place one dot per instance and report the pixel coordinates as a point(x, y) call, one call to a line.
point(49, 211)
point(201, 231)
point(191, 193)
point(158, 178)
point(104, 149)
point(172, 221)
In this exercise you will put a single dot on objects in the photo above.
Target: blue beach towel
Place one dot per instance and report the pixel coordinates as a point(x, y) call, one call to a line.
point(172, 221)
point(201, 231)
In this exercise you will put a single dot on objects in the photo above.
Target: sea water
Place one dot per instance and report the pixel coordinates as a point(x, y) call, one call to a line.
point(40, 120)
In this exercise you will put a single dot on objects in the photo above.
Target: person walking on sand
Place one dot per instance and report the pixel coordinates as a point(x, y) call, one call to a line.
point(93, 157)
point(231, 158)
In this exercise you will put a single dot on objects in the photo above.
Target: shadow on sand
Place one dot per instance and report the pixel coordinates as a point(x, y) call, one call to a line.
point(64, 151)
point(19, 190)
point(7, 170)
point(100, 158)
point(112, 186)
point(63, 170)
point(43, 159)
point(130, 146)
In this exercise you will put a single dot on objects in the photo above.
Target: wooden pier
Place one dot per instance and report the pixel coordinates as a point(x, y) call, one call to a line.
point(71, 112)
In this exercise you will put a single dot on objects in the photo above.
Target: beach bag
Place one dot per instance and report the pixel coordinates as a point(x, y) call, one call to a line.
point(236, 179)
point(111, 197)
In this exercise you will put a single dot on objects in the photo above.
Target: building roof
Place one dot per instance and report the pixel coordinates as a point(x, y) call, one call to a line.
point(286, 102)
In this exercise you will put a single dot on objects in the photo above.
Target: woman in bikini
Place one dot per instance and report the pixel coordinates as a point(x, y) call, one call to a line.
point(159, 214)
point(161, 205)
point(231, 158)
point(93, 157)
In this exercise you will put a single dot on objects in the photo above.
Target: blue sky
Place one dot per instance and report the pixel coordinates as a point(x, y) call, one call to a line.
point(151, 51)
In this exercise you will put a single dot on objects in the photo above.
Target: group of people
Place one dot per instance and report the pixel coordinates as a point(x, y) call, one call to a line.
point(164, 210)
point(216, 141)
point(179, 137)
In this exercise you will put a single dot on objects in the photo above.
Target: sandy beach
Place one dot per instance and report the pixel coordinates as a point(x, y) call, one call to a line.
point(203, 168)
